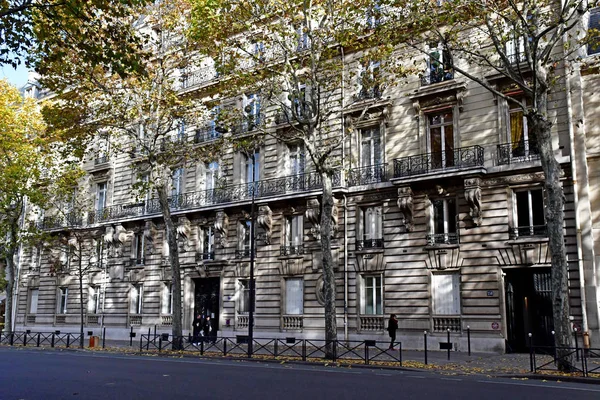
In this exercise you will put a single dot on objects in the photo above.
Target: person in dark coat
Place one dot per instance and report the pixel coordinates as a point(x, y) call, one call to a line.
point(207, 328)
point(196, 328)
point(392, 328)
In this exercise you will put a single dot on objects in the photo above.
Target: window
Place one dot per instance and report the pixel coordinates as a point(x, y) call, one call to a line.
point(374, 15)
point(33, 300)
point(36, 256)
point(370, 146)
point(139, 251)
point(167, 299)
point(211, 175)
point(303, 39)
point(299, 102)
point(208, 243)
point(93, 299)
point(440, 128)
point(594, 23)
point(444, 222)
point(372, 295)
point(370, 81)
point(101, 188)
point(515, 49)
point(295, 159)
point(252, 168)
point(102, 151)
point(371, 224)
point(177, 183)
point(63, 293)
point(439, 67)
point(294, 296)
point(530, 220)
point(251, 111)
point(98, 255)
point(243, 296)
point(294, 235)
point(446, 294)
point(136, 298)
point(523, 142)
point(244, 234)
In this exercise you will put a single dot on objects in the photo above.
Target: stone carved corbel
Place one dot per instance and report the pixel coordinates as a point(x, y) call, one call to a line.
point(313, 215)
point(473, 197)
point(265, 221)
point(221, 227)
point(150, 235)
point(405, 204)
point(184, 230)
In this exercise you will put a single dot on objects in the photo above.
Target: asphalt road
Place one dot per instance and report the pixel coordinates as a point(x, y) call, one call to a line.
point(47, 374)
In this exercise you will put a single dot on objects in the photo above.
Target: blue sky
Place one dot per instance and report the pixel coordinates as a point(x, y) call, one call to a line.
point(17, 77)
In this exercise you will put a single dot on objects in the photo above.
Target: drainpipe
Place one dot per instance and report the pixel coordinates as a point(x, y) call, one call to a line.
point(576, 202)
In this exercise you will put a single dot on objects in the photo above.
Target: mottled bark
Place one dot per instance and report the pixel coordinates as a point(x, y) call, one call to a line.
point(177, 329)
point(554, 210)
point(10, 287)
point(328, 275)
point(80, 273)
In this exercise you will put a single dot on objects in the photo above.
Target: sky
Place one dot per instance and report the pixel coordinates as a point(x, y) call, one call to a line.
point(17, 77)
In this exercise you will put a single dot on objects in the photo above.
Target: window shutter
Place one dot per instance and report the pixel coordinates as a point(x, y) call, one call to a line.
point(378, 220)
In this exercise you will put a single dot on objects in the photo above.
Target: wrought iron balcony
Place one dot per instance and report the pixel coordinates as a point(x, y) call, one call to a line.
point(208, 133)
point(437, 76)
point(243, 253)
point(369, 244)
point(61, 221)
point(368, 93)
point(462, 157)
point(199, 76)
point(101, 160)
point(251, 124)
point(367, 175)
point(291, 250)
point(205, 256)
point(527, 231)
point(511, 153)
point(442, 238)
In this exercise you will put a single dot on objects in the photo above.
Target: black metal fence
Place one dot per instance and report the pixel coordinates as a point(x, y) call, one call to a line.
point(577, 360)
point(37, 339)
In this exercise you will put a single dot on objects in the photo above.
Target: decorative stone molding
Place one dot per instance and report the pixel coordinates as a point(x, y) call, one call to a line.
point(313, 215)
point(370, 262)
point(320, 291)
point(406, 206)
point(525, 252)
point(184, 231)
point(221, 228)
point(242, 270)
point(514, 179)
point(150, 235)
point(291, 266)
point(265, 221)
point(473, 197)
point(334, 218)
point(440, 258)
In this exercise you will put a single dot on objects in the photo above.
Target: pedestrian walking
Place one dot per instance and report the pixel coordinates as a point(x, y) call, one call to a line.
point(207, 328)
point(392, 328)
point(196, 329)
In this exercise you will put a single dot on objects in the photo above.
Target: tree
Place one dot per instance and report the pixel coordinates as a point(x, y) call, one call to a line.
point(527, 44)
point(99, 30)
point(26, 165)
point(142, 115)
point(291, 56)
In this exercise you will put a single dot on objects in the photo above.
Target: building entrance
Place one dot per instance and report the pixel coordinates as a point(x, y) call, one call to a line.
point(206, 301)
point(528, 308)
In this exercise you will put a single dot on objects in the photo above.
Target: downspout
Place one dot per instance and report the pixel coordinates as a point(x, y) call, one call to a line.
point(343, 132)
point(576, 202)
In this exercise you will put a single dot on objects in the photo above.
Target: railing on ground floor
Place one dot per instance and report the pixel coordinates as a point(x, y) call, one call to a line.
point(37, 339)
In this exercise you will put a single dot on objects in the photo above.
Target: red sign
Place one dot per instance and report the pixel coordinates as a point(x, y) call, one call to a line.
point(495, 326)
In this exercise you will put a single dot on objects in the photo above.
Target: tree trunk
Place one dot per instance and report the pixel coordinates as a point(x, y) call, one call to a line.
point(10, 286)
point(80, 299)
point(328, 275)
point(177, 330)
point(554, 210)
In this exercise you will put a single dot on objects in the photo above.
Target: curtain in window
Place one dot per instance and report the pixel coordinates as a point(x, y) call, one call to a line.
point(516, 129)
point(294, 296)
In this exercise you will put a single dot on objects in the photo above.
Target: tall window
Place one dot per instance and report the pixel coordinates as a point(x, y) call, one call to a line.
point(136, 298)
point(295, 164)
point(294, 232)
point(369, 80)
point(63, 293)
point(373, 16)
point(252, 169)
point(372, 295)
point(303, 39)
point(177, 182)
point(515, 49)
point(523, 142)
point(294, 296)
point(444, 221)
point(252, 111)
point(446, 293)
point(211, 175)
point(530, 218)
point(33, 300)
point(594, 23)
point(101, 189)
point(36, 256)
point(440, 129)
point(244, 234)
point(167, 299)
point(139, 250)
point(372, 234)
point(370, 146)
point(93, 299)
point(243, 296)
point(208, 243)
point(439, 68)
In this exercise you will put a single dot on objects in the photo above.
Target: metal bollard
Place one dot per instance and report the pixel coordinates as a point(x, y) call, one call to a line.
point(469, 339)
point(38, 339)
point(104, 337)
point(275, 348)
point(425, 343)
point(576, 344)
point(68, 340)
point(531, 355)
point(448, 344)
point(52, 342)
point(159, 344)
point(366, 354)
point(400, 352)
point(303, 349)
point(25, 340)
point(554, 345)
point(224, 347)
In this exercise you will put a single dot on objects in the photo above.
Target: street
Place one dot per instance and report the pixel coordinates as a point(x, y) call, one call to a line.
point(47, 374)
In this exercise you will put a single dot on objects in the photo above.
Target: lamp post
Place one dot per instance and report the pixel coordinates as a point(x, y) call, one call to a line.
point(252, 245)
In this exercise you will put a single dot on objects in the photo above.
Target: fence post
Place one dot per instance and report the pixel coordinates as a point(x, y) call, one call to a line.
point(400, 352)
point(425, 345)
point(52, 342)
point(576, 344)
point(131, 335)
point(448, 344)
point(12, 338)
point(160, 344)
point(202, 347)
point(25, 340)
point(224, 347)
point(366, 353)
point(303, 349)
point(554, 345)
point(469, 339)
point(141, 339)
point(275, 347)
point(68, 340)
point(531, 355)
point(104, 337)
point(38, 339)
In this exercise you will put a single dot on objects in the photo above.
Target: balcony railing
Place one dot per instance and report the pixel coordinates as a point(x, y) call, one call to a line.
point(511, 153)
point(368, 93)
point(442, 238)
point(527, 231)
point(372, 323)
point(291, 250)
point(199, 76)
point(443, 323)
point(369, 244)
point(462, 157)
point(292, 322)
point(101, 160)
point(205, 256)
point(243, 253)
point(253, 123)
point(208, 133)
point(437, 76)
point(367, 175)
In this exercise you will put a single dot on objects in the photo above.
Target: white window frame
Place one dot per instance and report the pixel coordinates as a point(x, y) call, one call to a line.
point(294, 230)
point(442, 125)
point(252, 108)
point(63, 300)
point(34, 294)
point(371, 222)
point(369, 136)
point(101, 195)
point(93, 299)
point(139, 248)
point(374, 282)
point(244, 233)
point(295, 159)
point(294, 296)
point(177, 182)
point(136, 298)
point(251, 174)
point(448, 225)
point(428, 63)
point(242, 304)
point(167, 299)
point(208, 239)
point(444, 284)
point(530, 206)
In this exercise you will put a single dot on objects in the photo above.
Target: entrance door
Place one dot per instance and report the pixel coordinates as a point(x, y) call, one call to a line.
point(206, 300)
point(528, 308)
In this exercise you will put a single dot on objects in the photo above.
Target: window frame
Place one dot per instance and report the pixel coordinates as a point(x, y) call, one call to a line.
point(63, 300)
point(288, 298)
point(444, 161)
point(377, 307)
point(139, 250)
point(243, 296)
point(31, 310)
point(136, 298)
point(371, 137)
point(437, 303)
point(101, 195)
